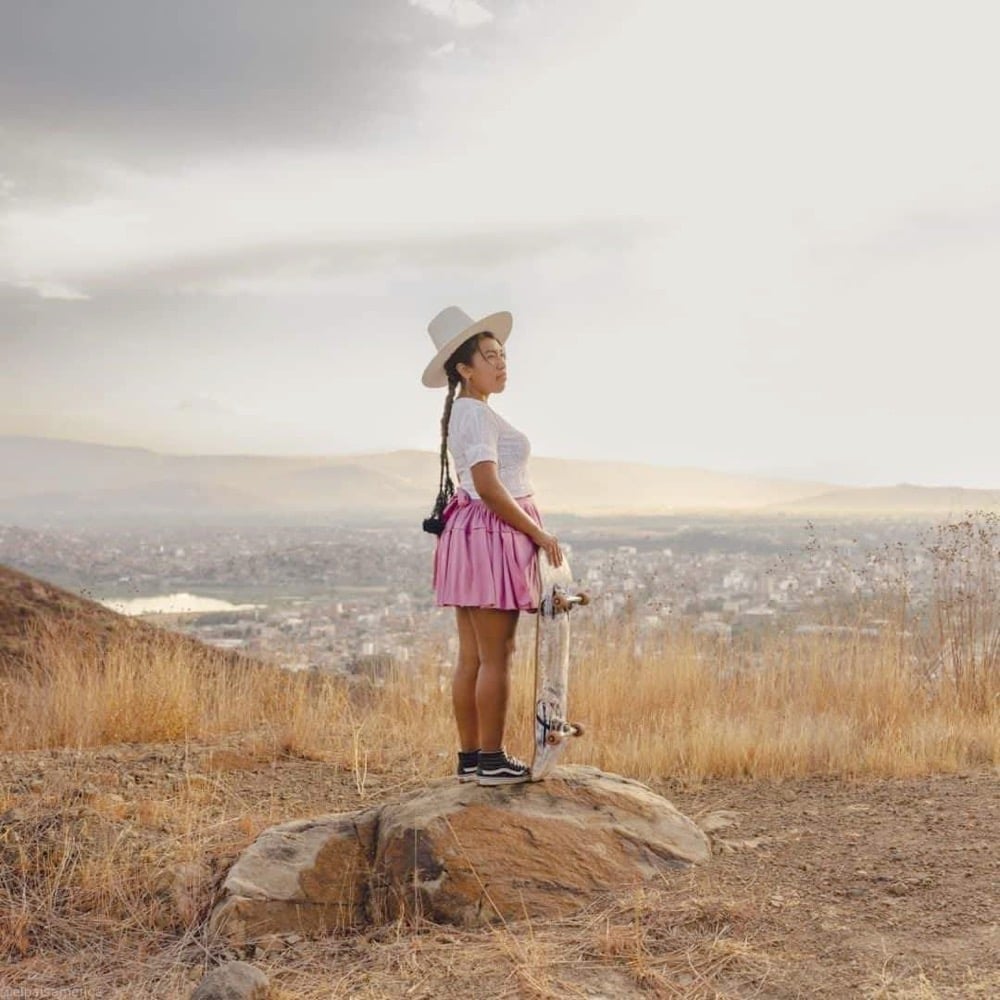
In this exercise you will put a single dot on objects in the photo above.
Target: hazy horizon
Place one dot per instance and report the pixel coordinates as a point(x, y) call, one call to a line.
point(75, 467)
point(195, 452)
point(760, 239)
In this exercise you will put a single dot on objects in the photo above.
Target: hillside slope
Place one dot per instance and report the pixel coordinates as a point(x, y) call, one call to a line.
point(31, 608)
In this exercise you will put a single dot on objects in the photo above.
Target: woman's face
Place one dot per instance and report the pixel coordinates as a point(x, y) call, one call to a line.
point(486, 373)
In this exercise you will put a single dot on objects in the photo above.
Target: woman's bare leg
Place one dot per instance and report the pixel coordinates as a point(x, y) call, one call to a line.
point(494, 631)
point(463, 685)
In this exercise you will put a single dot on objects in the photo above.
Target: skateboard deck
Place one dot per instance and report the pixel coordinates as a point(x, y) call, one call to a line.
point(557, 597)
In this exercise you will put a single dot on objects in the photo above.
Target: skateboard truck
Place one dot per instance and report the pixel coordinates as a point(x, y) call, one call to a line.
point(561, 600)
point(556, 730)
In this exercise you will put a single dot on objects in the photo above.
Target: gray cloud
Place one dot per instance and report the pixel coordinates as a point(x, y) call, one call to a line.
point(24, 318)
point(936, 230)
point(150, 81)
point(941, 229)
point(167, 312)
point(46, 168)
point(204, 405)
point(463, 13)
point(331, 259)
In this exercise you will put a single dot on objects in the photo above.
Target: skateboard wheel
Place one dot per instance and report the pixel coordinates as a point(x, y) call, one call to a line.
point(553, 738)
point(584, 598)
point(577, 729)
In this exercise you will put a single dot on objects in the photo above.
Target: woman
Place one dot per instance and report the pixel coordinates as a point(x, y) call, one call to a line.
point(485, 563)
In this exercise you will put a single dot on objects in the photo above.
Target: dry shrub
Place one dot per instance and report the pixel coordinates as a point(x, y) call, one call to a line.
point(961, 641)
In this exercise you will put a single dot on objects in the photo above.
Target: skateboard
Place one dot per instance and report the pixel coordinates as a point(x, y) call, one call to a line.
point(557, 597)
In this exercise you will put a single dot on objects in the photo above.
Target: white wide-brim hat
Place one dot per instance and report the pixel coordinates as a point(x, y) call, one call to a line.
point(451, 328)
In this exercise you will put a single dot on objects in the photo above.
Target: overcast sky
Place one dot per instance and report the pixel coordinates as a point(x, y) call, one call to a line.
point(758, 237)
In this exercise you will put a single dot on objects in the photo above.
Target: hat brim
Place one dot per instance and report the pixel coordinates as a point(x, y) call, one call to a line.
point(499, 324)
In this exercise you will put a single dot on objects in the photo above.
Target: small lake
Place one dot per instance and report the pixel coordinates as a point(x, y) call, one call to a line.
point(174, 604)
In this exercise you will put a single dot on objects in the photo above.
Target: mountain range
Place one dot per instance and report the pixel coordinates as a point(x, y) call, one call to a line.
point(46, 479)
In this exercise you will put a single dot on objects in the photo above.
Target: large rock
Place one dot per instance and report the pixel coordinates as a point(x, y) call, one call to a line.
point(458, 853)
point(466, 855)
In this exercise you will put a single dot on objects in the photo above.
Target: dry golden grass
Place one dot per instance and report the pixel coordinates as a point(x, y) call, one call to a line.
point(684, 707)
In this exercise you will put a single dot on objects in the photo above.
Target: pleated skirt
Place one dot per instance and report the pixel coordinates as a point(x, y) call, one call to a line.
point(481, 561)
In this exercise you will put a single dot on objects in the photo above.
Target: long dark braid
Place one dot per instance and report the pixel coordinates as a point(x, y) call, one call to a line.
point(446, 488)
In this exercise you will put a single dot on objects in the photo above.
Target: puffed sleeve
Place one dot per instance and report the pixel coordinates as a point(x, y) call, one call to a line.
point(474, 432)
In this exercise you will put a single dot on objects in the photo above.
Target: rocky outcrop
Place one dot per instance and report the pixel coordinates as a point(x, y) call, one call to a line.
point(461, 854)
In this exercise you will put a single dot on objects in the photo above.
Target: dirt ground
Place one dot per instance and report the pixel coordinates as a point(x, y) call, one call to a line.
point(866, 886)
point(819, 888)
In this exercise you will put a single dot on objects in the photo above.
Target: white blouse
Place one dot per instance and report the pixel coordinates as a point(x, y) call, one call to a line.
point(478, 434)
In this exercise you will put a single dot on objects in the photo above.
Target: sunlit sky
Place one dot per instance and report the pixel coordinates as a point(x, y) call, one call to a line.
point(754, 237)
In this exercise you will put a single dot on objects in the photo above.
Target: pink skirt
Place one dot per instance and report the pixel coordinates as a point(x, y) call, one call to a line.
point(481, 561)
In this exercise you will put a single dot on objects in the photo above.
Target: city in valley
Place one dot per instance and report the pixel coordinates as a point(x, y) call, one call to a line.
point(351, 598)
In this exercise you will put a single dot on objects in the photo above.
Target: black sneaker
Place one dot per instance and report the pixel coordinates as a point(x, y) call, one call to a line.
point(468, 762)
point(498, 769)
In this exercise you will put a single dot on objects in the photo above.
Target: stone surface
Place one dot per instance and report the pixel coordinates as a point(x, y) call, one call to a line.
point(233, 981)
point(457, 853)
point(468, 855)
point(309, 877)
